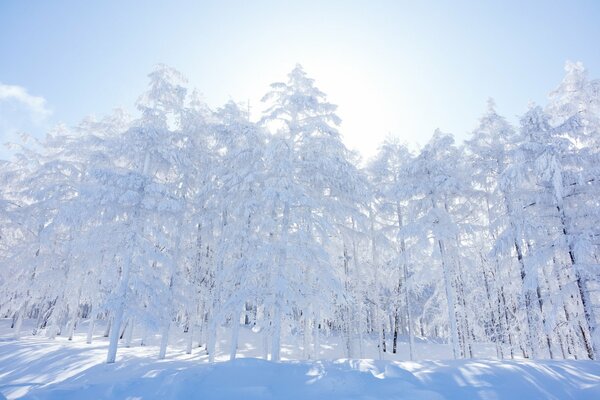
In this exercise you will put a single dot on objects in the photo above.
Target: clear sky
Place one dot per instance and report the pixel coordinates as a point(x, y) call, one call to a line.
point(399, 67)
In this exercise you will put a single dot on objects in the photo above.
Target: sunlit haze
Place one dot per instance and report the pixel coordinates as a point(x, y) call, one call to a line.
point(392, 67)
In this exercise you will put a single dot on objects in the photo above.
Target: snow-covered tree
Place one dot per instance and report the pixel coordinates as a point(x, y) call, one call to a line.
point(184, 219)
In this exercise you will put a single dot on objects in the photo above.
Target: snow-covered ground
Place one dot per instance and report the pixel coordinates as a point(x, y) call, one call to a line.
point(38, 368)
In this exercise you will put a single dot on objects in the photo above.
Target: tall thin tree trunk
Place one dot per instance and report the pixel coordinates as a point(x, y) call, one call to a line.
point(454, 337)
point(406, 291)
point(265, 343)
point(377, 318)
point(117, 319)
point(190, 337)
point(306, 333)
point(211, 341)
point(18, 325)
point(316, 336)
point(395, 332)
point(129, 332)
point(164, 340)
point(71, 327)
point(347, 319)
point(235, 333)
point(277, 304)
point(90, 331)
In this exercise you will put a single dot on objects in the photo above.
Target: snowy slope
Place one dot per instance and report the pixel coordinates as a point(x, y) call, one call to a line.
point(38, 368)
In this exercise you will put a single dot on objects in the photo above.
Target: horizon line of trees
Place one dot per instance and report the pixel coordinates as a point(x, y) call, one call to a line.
point(195, 218)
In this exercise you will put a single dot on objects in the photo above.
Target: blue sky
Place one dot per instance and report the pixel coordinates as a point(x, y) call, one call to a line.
point(396, 67)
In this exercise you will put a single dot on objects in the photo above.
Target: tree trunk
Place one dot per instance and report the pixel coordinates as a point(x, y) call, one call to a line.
point(190, 338)
point(107, 329)
point(395, 333)
point(265, 343)
point(129, 332)
point(409, 322)
point(306, 333)
point(71, 328)
point(211, 341)
point(235, 333)
point(18, 325)
point(164, 340)
point(277, 304)
point(114, 336)
point(377, 323)
point(117, 320)
point(316, 340)
point(456, 352)
point(90, 332)
point(144, 339)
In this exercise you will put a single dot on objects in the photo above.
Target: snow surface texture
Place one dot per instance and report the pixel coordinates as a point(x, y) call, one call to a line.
point(40, 368)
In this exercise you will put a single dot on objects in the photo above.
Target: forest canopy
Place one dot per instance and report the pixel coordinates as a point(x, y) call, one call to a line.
point(198, 218)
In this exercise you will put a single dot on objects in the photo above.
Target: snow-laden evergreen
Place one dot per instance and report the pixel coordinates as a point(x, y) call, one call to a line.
point(203, 221)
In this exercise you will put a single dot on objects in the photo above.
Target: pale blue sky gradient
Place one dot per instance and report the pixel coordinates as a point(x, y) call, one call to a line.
point(391, 66)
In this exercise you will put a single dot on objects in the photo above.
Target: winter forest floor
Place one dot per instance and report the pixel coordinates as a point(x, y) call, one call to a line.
point(39, 368)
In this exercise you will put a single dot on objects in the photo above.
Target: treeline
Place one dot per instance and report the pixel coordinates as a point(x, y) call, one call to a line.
point(202, 219)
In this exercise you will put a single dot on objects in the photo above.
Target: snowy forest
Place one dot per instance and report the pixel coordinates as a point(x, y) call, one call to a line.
point(186, 218)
